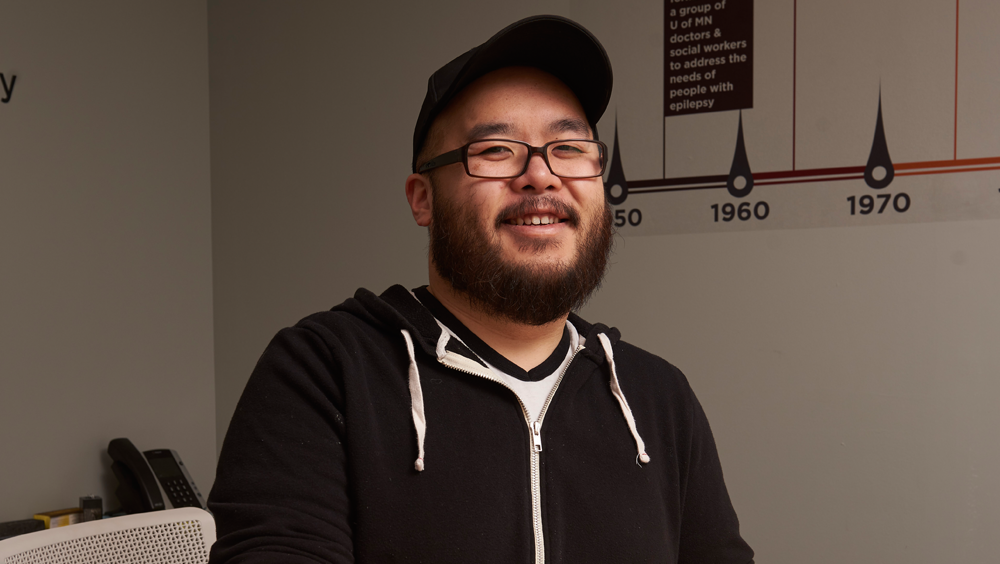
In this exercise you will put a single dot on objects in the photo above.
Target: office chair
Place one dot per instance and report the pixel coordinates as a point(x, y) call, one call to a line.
point(173, 536)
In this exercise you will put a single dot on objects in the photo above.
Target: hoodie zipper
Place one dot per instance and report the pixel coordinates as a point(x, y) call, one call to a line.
point(534, 429)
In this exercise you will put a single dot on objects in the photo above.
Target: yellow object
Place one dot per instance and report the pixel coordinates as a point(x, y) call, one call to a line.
point(60, 518)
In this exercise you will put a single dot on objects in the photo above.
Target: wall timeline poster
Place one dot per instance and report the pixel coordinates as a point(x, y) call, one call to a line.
point(824, 114)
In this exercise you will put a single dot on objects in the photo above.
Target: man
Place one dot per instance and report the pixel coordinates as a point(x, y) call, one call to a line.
point(476, 419)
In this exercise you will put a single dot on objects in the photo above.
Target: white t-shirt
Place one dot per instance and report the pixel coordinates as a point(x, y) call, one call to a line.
point(533, 394)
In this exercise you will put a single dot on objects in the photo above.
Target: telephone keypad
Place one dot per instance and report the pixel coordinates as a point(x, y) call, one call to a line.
point(180, 493)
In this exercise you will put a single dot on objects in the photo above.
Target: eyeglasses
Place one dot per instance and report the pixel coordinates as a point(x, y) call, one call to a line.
point(503, 158)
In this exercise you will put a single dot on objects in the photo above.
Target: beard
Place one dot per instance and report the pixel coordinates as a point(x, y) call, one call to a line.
point(470, 257)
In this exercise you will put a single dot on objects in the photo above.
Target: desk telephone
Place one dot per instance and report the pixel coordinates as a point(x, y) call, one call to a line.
point(146, 478)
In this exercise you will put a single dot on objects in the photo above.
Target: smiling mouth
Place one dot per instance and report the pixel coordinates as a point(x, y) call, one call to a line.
point(535, 219)
point(538, 211)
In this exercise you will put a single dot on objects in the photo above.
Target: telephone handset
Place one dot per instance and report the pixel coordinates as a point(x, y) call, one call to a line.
point(144, 478)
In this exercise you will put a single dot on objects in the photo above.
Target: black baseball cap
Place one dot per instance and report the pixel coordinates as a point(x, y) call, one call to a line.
point(554, 44)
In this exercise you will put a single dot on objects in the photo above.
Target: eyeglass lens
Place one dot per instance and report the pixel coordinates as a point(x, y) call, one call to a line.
point(503, 159)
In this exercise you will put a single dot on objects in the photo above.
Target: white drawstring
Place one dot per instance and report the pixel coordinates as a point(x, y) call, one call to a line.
point(616, 390)
point(443, 339)
point(416, 403)
point(420, 417)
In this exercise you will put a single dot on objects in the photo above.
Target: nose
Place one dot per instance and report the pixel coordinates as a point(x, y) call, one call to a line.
point(538, 177)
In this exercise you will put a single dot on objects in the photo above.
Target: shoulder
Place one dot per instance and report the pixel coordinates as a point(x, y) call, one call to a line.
point(359, 317)
point(633, 363)
point(653, 385)
point(343, 338)
point(650, 373)
point(327, 353)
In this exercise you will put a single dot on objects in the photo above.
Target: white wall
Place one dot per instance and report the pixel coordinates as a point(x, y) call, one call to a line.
point(105, 249)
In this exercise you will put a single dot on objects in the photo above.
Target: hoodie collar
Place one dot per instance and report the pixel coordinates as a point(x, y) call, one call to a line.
point(399, 309)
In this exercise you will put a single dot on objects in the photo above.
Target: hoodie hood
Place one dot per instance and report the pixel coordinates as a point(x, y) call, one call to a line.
point(397, 309)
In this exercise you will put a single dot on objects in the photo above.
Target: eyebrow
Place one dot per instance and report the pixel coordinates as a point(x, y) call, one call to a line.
point(487, 130)
point(493, 129)
point(572, 125)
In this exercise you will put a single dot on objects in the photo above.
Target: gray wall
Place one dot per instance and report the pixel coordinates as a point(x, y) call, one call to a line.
point(105, 250)
point(313, 105)
point(848, 373)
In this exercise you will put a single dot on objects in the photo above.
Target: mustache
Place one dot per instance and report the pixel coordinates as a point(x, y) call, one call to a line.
point(534, 204)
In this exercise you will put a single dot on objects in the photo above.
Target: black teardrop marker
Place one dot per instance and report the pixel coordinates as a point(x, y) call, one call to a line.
point(879, 155)
point(616, 176)
point(740, 168)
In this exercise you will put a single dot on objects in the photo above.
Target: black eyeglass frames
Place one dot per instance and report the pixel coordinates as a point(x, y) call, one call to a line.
point(504, 158)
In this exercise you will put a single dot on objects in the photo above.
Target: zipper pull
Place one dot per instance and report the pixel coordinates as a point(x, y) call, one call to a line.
point(536, 434)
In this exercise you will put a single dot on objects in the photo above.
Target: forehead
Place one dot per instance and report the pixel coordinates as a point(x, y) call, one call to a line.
point(513, 101)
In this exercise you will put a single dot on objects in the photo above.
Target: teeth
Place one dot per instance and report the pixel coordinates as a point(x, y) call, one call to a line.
point(534, 220)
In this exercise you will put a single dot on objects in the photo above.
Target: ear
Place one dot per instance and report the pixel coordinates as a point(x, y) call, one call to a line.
point(418, 193)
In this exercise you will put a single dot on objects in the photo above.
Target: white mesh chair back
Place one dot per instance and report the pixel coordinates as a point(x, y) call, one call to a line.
point(174, 536)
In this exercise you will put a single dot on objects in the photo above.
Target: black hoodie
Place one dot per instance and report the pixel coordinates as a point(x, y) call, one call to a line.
point(321, 460)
